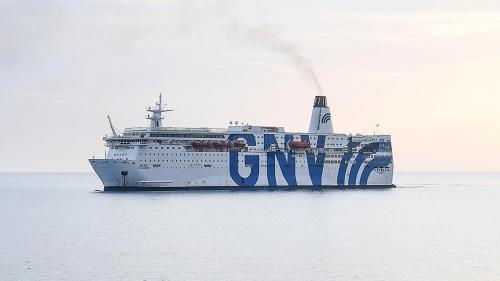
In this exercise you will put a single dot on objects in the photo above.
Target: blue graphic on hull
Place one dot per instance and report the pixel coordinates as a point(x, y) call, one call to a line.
point(315, 163)
point(345, 161)
point(285, 162)
point(363, 153)
point(284, 157)
point(250, 160)
point(376, 162)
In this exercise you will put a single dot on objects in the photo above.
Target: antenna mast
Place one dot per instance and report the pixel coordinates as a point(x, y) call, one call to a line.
point(157, 110)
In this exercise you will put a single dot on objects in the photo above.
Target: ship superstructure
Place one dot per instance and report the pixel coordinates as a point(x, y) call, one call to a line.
point(243, 157)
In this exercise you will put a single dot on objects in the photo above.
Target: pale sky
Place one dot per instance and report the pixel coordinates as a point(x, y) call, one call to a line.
point(426, 71)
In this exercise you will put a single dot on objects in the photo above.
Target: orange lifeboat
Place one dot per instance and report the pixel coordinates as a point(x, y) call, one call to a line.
point(299, 144)
point(239, 143)
point(200, 145)
point(222, 144)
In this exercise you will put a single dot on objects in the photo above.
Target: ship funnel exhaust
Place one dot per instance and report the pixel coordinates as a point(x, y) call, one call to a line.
point(321, 118)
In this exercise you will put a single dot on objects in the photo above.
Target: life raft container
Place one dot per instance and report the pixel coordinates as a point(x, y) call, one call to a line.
point(299, 144)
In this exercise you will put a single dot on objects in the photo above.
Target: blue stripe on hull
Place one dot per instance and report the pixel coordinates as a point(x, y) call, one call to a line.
point(377, 162)
point(345, 162)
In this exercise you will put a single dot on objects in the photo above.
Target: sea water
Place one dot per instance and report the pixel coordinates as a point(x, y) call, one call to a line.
point(434, 226)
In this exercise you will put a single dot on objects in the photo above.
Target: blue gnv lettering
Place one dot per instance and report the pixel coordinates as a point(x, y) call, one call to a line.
point(286, 161)
point(250, 160)
point(315, 163)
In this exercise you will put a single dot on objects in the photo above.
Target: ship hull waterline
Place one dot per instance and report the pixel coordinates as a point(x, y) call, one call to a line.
point(243, 189)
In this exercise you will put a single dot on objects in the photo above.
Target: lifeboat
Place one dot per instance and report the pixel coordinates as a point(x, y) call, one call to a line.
point(199, 144)
point(299, 144)
point(222, 144)
point(239, 143)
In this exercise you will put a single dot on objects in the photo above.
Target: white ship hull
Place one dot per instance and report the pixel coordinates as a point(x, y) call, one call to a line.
point(109, 172)
point(244, 157)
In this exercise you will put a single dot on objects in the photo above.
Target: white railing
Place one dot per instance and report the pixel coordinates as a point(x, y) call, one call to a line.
point(178, 129)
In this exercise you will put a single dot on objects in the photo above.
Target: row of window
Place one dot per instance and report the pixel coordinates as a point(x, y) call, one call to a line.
point(185, 161)
point(126, 147)
point(179, 167)
point(298, 138)
point(333, 161)
point(189, 154)
point(240, 161)
point(194, 154)
point(193, 136)
point(213, 136)
point(145, 166)
point(251, 148)
point(168, 147)
point(241, 156)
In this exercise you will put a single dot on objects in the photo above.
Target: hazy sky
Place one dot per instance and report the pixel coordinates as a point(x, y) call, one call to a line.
point(427, 71)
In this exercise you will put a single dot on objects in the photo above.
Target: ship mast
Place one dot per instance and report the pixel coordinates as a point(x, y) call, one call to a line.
point(156, 111)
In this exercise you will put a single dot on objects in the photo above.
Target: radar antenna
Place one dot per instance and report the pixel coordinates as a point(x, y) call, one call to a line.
point(157, 110)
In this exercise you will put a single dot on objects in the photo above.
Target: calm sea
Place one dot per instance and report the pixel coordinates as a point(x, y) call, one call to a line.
point(435, 226)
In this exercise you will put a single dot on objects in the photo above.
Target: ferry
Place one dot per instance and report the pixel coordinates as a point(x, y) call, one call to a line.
point(243, 157)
